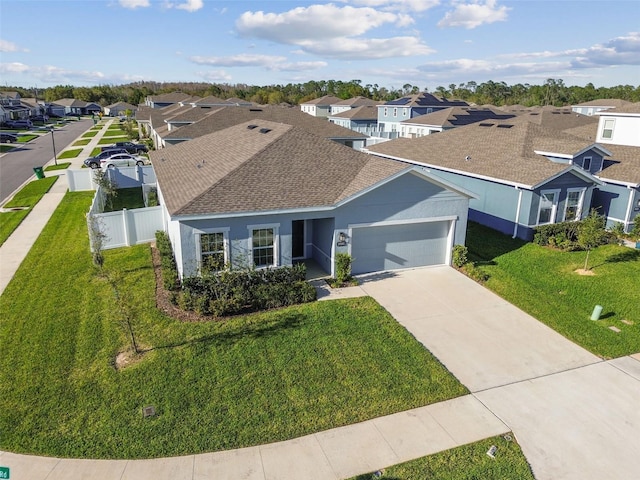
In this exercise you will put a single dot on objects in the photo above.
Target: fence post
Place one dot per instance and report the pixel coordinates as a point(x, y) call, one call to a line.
point(125, 225)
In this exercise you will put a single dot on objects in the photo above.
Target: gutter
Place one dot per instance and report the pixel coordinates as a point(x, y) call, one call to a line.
point(517, 222)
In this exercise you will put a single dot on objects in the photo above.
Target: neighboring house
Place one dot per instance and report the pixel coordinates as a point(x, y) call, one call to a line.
point(119, 108)
point(78, 107)
point(226, 117)
point(270, 194)
point(391, 114)
point(214, 102)
point(618, 199)
point(524, 174)
point(595, 106)
point(164, 100)
point(620, 126)
point(351, 103)
point(555, 118)
point(362, 119)
point(447, 119)
point(319, 107)
point(13, 107)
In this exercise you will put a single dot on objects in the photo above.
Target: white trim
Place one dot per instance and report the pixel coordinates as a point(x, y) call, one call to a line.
point(629, 207)
point(554, 154)
point(388, 223)
point(580, 205)
point(604, 127)
point(276, 242)
point(618, 182)
point(554, 206)
point(518, 208)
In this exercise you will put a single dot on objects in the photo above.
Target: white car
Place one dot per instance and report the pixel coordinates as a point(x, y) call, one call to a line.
point(122, 160)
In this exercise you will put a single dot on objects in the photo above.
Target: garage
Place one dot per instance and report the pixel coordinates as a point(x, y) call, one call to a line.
point(390, 247)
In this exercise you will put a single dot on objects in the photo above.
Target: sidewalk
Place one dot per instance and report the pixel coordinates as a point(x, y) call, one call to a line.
point(333, 454)
point(17, 246)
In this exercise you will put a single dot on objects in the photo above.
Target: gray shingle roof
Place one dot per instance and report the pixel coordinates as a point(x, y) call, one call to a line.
point(425, 100)
point(365, 112)
point(326, 100)
point(173, 97)
point(628, 108)
point(623, 165)
point(494, 151)
point(229, 116)
point(604, 102)
point(356, 102)
point(458, 116)
point(241, 169)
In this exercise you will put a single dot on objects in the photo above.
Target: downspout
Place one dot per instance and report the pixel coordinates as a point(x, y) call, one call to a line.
point(629, 207)
point(517, 222)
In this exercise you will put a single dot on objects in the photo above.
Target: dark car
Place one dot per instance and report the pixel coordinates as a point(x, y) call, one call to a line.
point(8, 138)
point(94, 162)
point(39, 118)
point(130, 147)
point(19, 124)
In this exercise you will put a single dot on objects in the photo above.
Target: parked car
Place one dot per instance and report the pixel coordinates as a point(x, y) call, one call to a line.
point(39, 118)
point(19, 124)
point(122, 160)
point(94, 162)
point(130, 147)
point(8, 137)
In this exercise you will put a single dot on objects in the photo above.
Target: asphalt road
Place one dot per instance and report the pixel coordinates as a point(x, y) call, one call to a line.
point(17, 165)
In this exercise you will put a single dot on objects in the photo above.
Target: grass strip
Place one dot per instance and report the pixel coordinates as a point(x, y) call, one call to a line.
point(464, 463)
point(60, 166)
point(72, 153)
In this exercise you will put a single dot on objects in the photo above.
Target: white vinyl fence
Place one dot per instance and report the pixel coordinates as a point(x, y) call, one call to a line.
point(126, 227)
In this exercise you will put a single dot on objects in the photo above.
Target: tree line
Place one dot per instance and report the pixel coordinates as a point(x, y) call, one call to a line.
point(551, 92)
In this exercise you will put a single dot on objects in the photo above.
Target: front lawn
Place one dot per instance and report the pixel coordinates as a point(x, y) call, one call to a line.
point(464, 463)
point(106, 140)
point(59, 166)
point(543, 282)
point(71, 153)
point(89, 134)
point(82, 142)
point(215, 385)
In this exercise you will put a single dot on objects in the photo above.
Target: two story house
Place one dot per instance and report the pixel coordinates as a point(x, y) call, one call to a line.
point(392, 114)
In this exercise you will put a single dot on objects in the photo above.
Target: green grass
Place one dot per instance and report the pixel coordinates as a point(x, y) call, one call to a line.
point(60, 166)
point(115, 126)
point(82, 142)
point(26, 138)
point(73, 153)
point(28, 196)
point(109, 140)
point(543, 282)
point(6, 147)
point(216, 385)
point(127, 198)
point(95, 152)
point(89, 134)
point(464, 463)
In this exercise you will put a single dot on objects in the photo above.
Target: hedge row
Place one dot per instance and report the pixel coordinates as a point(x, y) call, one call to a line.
point(168, 262)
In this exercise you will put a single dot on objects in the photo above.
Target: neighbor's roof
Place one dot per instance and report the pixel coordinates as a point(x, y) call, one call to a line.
point(501, 150)
point(425, 100)
point(603, 102)
point(229, 116)
point(356, 102)
point(557, 118)
point(326, 100)
point(365, 112)
point(189, 114)
point(457, 116)
point(173, 97)
point(628, 108)
point(263, 166)
point(623, 165)
point(123, 105)
point(71, 102)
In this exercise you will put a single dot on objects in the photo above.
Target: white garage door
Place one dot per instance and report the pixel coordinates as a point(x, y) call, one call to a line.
point(391, 247)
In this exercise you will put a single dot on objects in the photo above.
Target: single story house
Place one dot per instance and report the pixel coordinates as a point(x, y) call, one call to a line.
point(319, 107)
point(77, 107)
point(524, 174)
point(119, 108)
point(270, 194)
point(166, 99)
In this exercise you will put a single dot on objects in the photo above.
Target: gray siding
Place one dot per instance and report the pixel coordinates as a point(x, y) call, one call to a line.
point(612, 201)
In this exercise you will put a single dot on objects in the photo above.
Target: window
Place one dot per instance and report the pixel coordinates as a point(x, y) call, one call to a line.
point(586, 163)
point(395, 112)
point(386, 111)
point(213, 251)
point(607, 130)
point(548, 204)
point(404, 112)
point(573, 205)
point(264, 245)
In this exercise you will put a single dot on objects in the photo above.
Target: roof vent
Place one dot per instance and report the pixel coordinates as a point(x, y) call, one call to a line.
point(486, 124)
point(251, 127)
point(265, 130)
point(505, 125)
point(255, 109)
point(467, 158)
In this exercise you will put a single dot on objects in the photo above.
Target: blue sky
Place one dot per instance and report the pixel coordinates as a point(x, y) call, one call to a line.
point(426, 43)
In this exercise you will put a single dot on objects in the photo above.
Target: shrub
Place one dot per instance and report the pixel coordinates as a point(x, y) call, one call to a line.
point(167, 261)
point(343, 267)
point(562, 235)
point(459, 256)
point(230, 292)
point(472, 271)
point(635, 231)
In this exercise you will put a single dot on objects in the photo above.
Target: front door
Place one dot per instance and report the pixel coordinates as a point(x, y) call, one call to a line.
point(297, 239)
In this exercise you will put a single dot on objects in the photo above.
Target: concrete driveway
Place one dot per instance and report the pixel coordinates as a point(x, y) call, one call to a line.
point(575, 416)
point(482, 339)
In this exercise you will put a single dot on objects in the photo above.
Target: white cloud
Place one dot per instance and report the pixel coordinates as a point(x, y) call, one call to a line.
point(618, 51)
point(215, 76)
point(472, 15)
point(298, 66)
point(368, 48)
point(15, 67)
point(133, 4)
point(333, 31)
point(241, 60)
point(316, 22)
point(6, 46)
point(188, 5)
point(398, 5)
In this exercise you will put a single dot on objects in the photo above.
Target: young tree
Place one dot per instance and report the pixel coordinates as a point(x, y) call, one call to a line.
point(97, 237)
point(108, 186)
point(591, 233)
